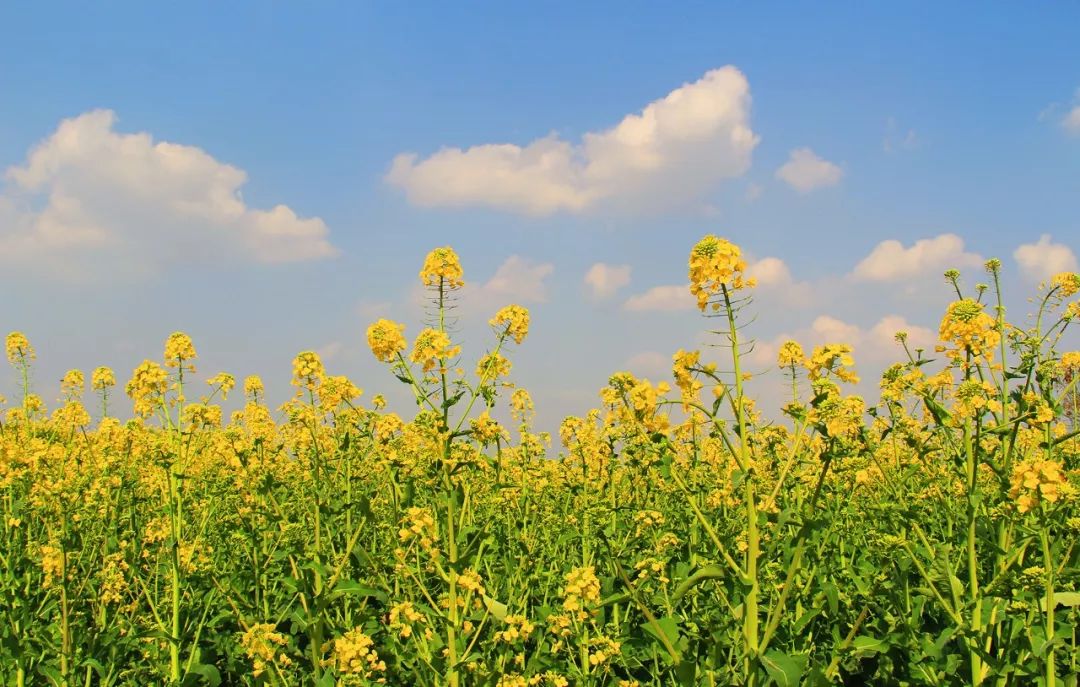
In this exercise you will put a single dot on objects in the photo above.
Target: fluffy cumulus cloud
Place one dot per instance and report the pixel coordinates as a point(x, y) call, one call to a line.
point(603, 280)
point(770, 272)
point(875, 344)
point(892, 261)
point(518, 280)
point(1071, 121)
point(669, 298)
point(673, 150)
point(805, 171)
point(90, 202)
point(1044, 258)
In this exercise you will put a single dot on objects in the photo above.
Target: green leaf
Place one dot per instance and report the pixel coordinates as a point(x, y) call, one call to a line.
point(668, 625)
point(1062, 599)
point(869, 645)
point(784, 670)
point(495, 608)
point(711, 572)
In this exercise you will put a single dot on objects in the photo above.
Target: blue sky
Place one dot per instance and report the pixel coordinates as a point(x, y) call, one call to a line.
point(957, 125)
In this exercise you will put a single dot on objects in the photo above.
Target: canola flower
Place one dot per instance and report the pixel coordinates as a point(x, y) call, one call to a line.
point(442, 267)
point(716, 264)
point(18, 348)
point(433, 348)
point(969, 330)
point(512, 321)
point(386, 340)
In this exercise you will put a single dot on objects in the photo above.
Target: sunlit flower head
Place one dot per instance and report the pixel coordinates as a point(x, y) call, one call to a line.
point(18, 348)
point(833, 359)
point(102, 378)
point(969, 330)
point(433, 348)
point(147, 387)
point(253, 387)
point(386, 340)
point(715, 264)
point(72, 383)
point(223, 381)
point(791, 355)
point(512, 321)
point(442, 268)
point(308, 370)
point(1067, 283)
point(179, 349)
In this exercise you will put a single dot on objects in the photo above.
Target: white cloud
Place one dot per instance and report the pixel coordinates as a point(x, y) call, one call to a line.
point(1044, 258)
point(519, 280)
point(874, 345)
point(650, 364)
point(753, 192)
point(674, 150)
point(770, 272)
point(805, 171)
point(671, 298)
point(1071, 121)
point(90, 202)
point(891, 261)
point(604, 280)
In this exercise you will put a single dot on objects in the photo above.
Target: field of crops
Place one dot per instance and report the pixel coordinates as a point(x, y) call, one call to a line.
point(676, 535)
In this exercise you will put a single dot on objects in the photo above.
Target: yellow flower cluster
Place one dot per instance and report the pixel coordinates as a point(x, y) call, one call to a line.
point(1037, 480)
point(18, 348)
point(1071, 361)
point(521, 405)
point(72, 383)
point(264, 646)
point(492, 367)
point(582, 591)
point(386, 340)
point(835, 359)
point(1067, 283)
point(404, 617)
point(432, 348)
point(969, 330)
point(355, 657)
point(419, 524)
point(973, 397)
point(512, 321)
point(224, 382)
point(602, 650)
point(253, 387)
point(715, 264)
point(442, 268)
point(178, 350)
point(791, 355)
point(486, 430)
point(52, 564)
point(684, 363)
point(308, 370)
point(102, 378)
point(518, 628)
point(147, 387)
point(470, 581)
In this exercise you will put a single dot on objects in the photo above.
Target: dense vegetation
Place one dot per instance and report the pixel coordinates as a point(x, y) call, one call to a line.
point(678, 538)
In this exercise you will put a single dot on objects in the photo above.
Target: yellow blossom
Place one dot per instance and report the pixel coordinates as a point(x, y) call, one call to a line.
point(512, 321)
point(386, 340)
point(715, 264)
point(442, 268)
